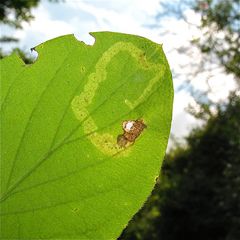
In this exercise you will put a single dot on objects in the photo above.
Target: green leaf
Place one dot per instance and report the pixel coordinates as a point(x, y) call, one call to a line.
point(63, 174)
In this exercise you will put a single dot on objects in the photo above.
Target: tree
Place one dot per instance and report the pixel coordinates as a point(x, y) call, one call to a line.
point(220, 23)
point(205, 202)
point(14, 12)
point(219, 45)
point(215, 49)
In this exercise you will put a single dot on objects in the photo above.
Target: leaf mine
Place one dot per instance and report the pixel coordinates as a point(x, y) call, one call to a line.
point(132, 130)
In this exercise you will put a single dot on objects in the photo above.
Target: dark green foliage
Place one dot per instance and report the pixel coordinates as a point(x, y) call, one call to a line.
point(19, 9)
point(25, 56)
point(198, 196)
point(205, 204)
point(221, 16)
point(13, 13)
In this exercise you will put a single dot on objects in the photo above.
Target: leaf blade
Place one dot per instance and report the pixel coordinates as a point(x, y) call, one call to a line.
point(67, 161)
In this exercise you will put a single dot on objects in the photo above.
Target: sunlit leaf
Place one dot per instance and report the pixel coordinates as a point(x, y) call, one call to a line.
point(63, 173)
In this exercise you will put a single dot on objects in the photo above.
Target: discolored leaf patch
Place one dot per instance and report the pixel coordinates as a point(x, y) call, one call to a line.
point(132, 129)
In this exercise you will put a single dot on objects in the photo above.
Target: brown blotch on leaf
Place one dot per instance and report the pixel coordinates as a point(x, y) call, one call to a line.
point(132, 129)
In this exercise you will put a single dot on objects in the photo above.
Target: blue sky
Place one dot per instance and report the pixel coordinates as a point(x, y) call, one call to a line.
point(129, 16)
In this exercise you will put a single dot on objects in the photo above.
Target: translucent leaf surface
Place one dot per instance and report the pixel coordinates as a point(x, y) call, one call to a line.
point(63, 174)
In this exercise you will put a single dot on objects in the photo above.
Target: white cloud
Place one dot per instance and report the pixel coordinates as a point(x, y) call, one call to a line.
point(42, 28)
point(127, 17)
